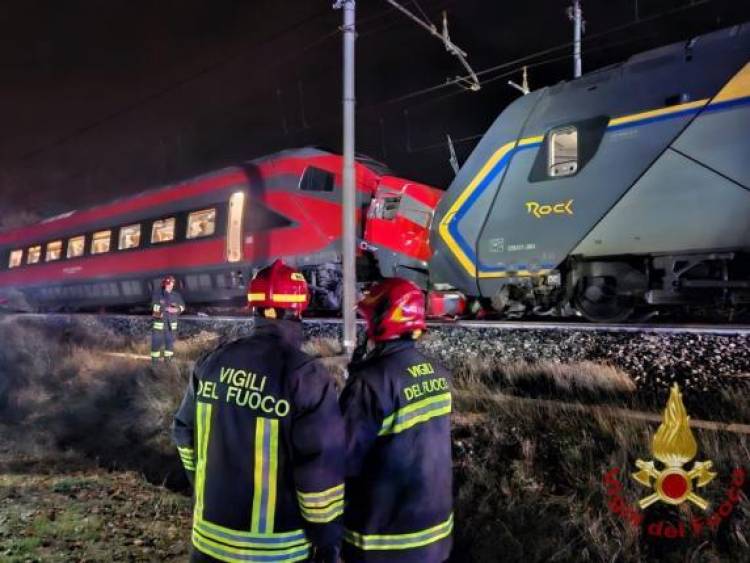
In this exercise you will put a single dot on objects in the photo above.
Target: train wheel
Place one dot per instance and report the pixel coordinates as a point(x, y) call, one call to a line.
point(596, 298)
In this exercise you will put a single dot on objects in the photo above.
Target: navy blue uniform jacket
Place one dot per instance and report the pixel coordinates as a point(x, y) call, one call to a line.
point(396, 407)
point(261, 432)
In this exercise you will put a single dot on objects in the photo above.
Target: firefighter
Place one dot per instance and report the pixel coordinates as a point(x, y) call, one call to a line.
point(396, 406)
point(261, 436)
point(166, 305)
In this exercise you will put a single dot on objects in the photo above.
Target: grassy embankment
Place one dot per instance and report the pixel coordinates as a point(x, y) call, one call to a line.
point(86, 449)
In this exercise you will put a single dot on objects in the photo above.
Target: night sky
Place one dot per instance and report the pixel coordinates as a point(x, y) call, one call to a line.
point(104, 99)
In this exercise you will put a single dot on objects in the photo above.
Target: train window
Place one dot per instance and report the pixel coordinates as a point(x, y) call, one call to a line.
point(16, 258)
point(34, 254)
point(130, 237)
point(316, 180)
point(100, 242)
point(163, 230)
point(201, 223)
point(54, 251)
point(384, 207)
point(76, 246)
point(563, 152)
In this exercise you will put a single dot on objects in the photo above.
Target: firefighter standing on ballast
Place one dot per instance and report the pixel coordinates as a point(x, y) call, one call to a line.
point(396, 406)
point(261, 435)
point(166, 305)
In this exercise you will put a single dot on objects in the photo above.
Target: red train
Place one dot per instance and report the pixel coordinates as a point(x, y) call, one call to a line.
point(213, 231)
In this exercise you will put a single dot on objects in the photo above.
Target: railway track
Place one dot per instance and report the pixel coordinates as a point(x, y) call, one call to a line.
point(688, 328)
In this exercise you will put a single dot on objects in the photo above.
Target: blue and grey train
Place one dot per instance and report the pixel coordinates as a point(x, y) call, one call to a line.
point(626, 188)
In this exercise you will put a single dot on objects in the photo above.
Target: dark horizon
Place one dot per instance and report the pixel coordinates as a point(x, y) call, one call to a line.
point(100, 105)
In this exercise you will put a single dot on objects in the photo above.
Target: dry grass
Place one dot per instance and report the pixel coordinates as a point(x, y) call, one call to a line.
point(528, 475)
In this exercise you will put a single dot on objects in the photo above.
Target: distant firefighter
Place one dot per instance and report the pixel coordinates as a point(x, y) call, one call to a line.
point(396, 407)
point(166, 305)
point(261, 436)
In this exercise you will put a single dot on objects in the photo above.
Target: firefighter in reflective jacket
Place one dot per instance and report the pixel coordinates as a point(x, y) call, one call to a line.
point(261, 435)
point(166, 306)
point(396, 407)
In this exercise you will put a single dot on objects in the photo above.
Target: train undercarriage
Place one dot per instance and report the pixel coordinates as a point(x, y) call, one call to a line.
point(623, 288)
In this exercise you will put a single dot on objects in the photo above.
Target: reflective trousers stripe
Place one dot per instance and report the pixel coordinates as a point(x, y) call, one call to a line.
point(187, 456)
point(231, 554)
point(265, 474)
point(420, 538)
point(247, 540)
point(202, 434)
point(322, 506)
point(416, 413)
point(158, 326)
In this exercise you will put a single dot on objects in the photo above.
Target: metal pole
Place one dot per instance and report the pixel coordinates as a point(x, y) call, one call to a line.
point(349, 195)
point(577, 18)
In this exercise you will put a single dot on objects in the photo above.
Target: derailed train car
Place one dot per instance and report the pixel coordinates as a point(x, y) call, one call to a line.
point(629, 186)
point(213, 231)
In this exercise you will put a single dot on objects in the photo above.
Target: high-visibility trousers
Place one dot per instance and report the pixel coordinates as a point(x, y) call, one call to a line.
point(162, 335)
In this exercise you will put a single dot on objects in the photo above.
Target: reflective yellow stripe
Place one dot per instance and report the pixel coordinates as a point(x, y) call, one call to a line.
point(264, 475)
point(157, 307)
point(258, 475)
point(400, 541)
point(288, 298)
point(159, 326)
point(187, 456)
point(256, 296)
point(203, 431)
point(232, 554)
point(416, 413)
point(272, 474)
point(321, 498)
point(168, 353)
point(173, 325)
point(156, 354)
point(325, 514)
point(247, 540)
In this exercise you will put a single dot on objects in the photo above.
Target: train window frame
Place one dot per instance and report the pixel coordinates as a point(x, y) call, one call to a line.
point(12, 262)
point(316, 179)
point(37, 248)
point(122, 234)
point(158, 224)
point(48, 257)
point(68, 254)
point(559, 166)
point(197, 216)
point(94, 240)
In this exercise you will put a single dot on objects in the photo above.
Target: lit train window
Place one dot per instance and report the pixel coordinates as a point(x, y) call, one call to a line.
point(54, 251)
point(33, 254)
point(76, 246)
point(563, 152)
point(316, 180)
point(100, 242)
point(201, 223)
point(163, 230)
point(16, 257)
point(130, 237)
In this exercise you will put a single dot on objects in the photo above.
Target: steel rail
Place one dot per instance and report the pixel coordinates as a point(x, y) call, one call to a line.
point(719, 329)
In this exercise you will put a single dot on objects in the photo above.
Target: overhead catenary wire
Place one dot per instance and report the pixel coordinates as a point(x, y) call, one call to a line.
point(471, 78)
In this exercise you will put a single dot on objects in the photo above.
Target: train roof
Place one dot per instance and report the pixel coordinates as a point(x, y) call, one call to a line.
point(21, 235)
point(737, 36)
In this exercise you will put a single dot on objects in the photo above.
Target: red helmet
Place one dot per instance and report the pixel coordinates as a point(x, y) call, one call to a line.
point(393, 307)
point(167, 280)
point(278, 286)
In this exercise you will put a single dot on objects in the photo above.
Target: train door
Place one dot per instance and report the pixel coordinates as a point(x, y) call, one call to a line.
point(234, 227)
